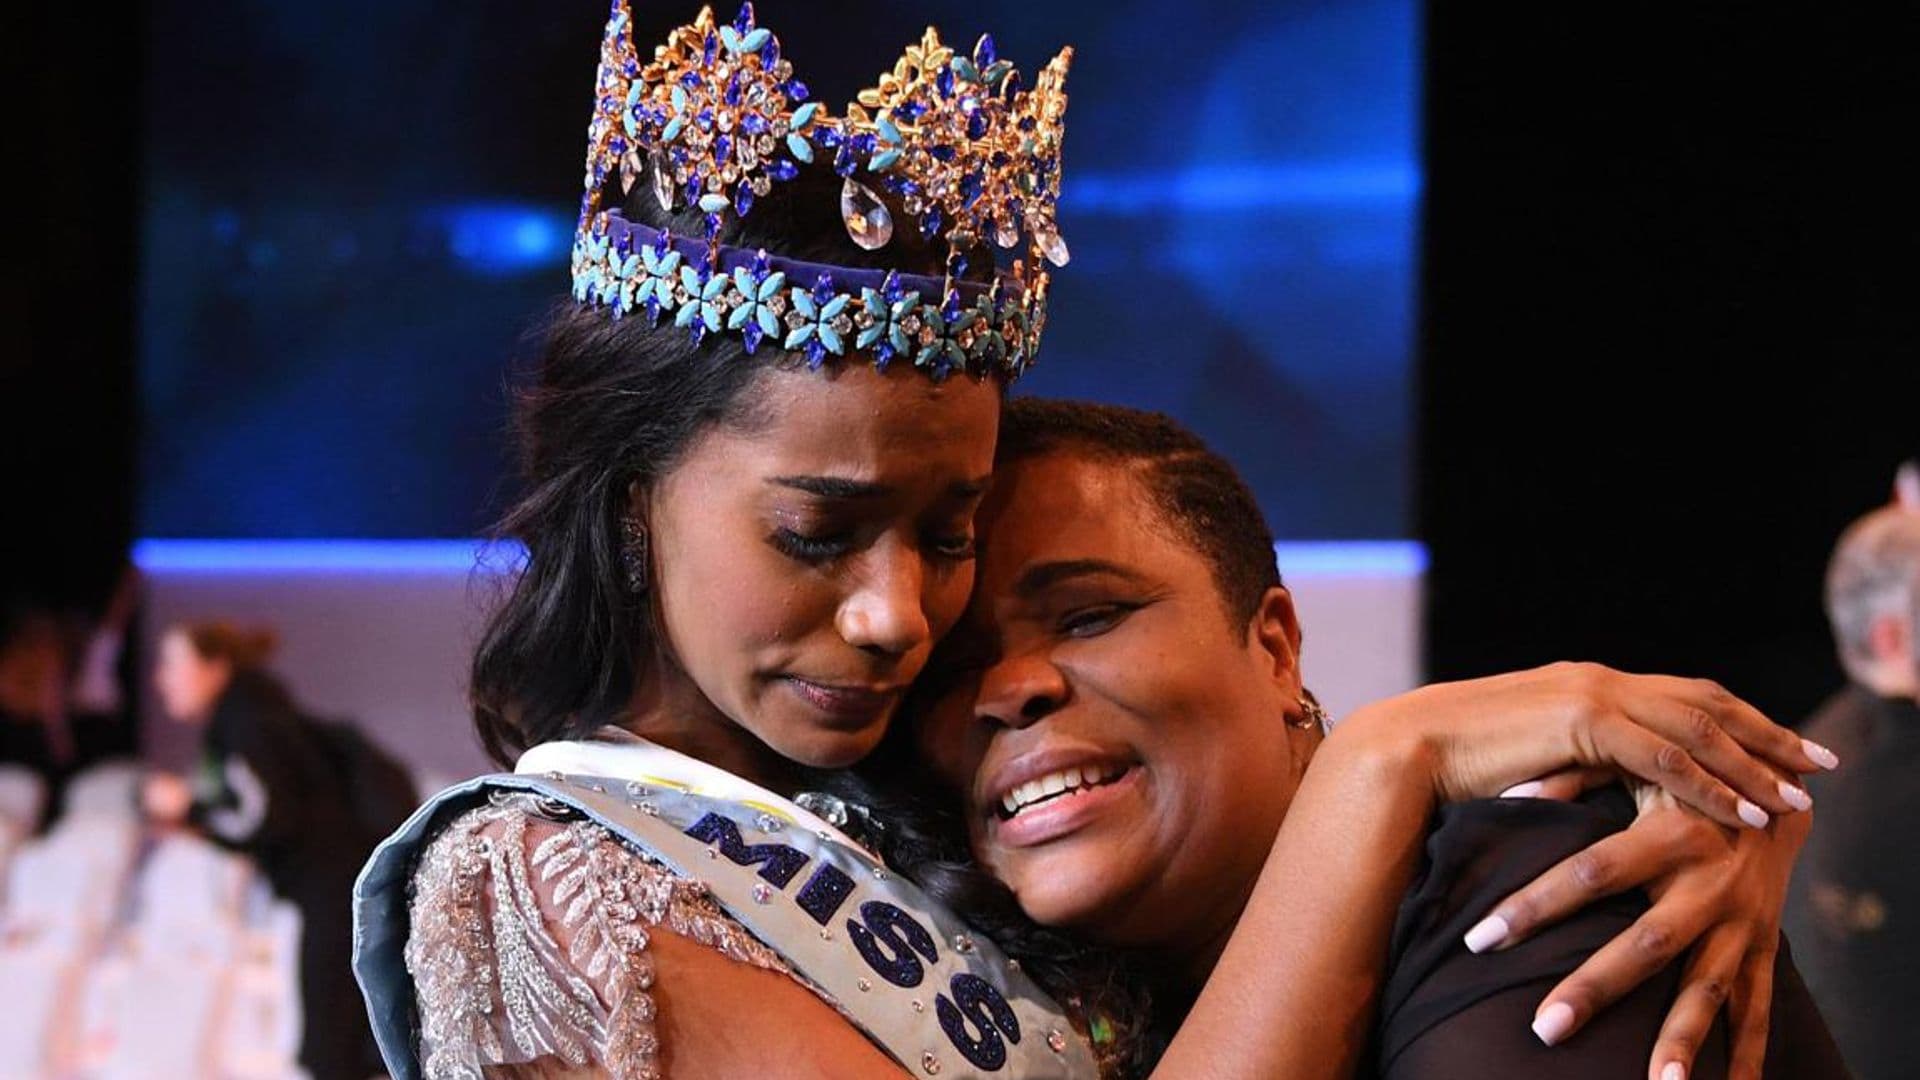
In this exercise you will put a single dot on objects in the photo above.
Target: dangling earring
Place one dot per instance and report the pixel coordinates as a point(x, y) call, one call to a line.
point(634, 552)
point(1311, 714)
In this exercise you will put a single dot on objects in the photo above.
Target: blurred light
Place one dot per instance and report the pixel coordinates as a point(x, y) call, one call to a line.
point(1277, 185)
point(324, 556)
point(500, 239)
point(1339, 558)
point(1352, 558)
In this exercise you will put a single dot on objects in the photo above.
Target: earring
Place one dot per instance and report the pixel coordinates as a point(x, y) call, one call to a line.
point(634, 552)
point(1311, 714)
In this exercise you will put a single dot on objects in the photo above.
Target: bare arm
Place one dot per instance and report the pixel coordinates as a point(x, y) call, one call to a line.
point(1294, 991)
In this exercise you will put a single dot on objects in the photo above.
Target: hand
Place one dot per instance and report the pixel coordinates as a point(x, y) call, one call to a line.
point(166, 797)
point(1690, 737)
point(1716, 891)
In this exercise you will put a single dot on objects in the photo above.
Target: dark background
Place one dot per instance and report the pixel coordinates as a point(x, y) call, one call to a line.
point(1666, 334)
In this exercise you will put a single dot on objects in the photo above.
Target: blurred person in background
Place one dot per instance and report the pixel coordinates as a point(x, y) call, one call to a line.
point(63, 706)
point(1854, 910)
point(269, 784)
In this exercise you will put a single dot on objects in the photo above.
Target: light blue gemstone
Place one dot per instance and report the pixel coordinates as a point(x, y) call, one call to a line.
point(743, 281)
point(738, 317)
point(770, 287)
point(679, 98)
point(831, 339)
point(769, 322)
point(803, 304)
point(716, 285)
point(690, 279)
point(803, 115)
point(834, 307)
point(755, 40)
point(964, 68)
point(898, 339)
point(673, 129)
point(684, 317)
point(713, 202)
point(798, 337)
point(883, 161)
point(870, 335)
point(888, 132)
point(710, 314)
point(800, 147)
point(731, 39)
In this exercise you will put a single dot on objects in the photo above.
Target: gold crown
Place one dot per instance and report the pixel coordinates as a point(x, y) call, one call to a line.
point(717, 117)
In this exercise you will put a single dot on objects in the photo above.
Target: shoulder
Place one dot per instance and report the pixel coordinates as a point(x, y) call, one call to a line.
point(534, 933)
point(1477, 854)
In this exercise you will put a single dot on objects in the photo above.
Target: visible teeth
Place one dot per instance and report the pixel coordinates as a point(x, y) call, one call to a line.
point(1054, 783)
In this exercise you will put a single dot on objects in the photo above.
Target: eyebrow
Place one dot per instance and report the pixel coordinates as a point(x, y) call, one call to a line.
point(840, 487)
point(1038, 579)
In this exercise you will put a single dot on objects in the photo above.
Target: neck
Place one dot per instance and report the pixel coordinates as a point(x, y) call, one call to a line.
point(668, 709)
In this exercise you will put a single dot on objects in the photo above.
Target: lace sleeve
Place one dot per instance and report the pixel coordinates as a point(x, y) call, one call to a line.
point(528, 947)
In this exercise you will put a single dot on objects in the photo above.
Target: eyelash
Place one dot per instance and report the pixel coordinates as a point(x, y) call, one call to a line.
point(819, 549)
point(1100, 618)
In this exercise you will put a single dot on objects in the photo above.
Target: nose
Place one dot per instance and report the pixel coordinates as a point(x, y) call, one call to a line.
point(1019, 691)
point(887, 612)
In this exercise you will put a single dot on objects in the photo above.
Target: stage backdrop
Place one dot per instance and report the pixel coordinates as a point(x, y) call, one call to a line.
point(354, 210)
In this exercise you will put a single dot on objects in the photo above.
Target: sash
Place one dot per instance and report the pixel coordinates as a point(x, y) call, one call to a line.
point(912, 977)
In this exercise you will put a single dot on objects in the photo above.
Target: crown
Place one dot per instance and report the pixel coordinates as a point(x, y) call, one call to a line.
point(970, 154)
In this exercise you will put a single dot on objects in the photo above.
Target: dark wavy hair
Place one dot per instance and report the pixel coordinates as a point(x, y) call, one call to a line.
point(609, 403)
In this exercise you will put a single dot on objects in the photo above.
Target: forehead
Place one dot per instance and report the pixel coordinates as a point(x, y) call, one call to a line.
point(1063, 506)
point(855, 421)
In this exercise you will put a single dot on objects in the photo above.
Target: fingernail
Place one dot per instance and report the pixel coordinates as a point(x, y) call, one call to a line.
point(1487, 933)
point(1528, 790)
point(1751, 814)
point(1795, 797)
point(1821, 756)
point(1674, 1071)
point(1552, 1023)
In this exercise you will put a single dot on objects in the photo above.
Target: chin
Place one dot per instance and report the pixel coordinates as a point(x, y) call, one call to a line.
point(1070, 892)
point(826, 748)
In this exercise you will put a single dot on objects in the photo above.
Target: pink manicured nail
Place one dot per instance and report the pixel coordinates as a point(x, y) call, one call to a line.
point(1751, 814)
point(1795, 797)
point(1821, 756)
point(1553, 1022)
point(1487, 933)
point(1529, 790)
point(1674, 1071)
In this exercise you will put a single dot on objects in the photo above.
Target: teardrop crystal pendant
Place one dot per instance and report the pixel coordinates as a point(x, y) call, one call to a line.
point(629, 171)
point(661, 173)
point(868, 222)
point(1054, 248)
point(1005, 234)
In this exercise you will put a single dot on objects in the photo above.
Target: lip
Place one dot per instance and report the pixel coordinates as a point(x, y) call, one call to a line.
point(842, 701)
point(1038, 762)
point(1062, 815)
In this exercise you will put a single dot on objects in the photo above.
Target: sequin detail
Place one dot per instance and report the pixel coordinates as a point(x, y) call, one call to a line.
point(536, 960)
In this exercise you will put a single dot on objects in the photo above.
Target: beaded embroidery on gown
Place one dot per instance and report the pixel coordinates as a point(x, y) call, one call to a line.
point(529, 946)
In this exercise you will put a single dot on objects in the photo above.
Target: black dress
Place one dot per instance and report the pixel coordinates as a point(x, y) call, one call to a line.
point(1447, 1013)
point(270, 788)
point(1854, 909)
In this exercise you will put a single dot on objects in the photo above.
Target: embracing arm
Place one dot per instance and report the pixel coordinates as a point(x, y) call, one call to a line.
point(1294, 992)
point(1295, 989)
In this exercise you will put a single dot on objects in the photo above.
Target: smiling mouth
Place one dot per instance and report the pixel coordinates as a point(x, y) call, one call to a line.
point(1073, 780)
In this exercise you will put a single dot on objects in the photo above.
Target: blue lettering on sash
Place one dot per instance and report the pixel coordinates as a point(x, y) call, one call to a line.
point(824, 892)
point(778, 861)
point(977, 1019)
point(900, 934)
point(975, 1000)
